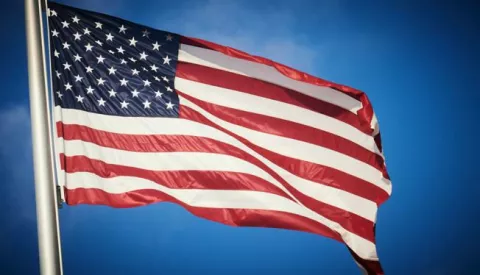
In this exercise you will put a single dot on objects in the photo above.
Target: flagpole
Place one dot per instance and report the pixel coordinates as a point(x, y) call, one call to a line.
point(45, 193)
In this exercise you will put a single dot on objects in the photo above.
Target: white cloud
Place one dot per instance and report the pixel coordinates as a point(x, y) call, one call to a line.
point(101, 6)
point(265, 33)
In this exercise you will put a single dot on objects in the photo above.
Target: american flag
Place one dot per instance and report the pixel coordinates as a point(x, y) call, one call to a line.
point(144, 115)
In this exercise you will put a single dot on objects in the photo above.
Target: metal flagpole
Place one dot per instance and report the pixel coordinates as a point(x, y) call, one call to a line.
point(55, 161)
point(46, 200)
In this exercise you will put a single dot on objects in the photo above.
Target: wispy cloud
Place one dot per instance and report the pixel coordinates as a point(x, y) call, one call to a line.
point(269, 33)
point(276, 30)
point(97, 5)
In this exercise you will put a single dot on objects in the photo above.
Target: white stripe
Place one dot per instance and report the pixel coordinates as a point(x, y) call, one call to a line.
point(217, 60)
point(273, 108)
point(167, 161)
point(187, 161)
point(300, 150)
point(221, 199)
point(174, 126)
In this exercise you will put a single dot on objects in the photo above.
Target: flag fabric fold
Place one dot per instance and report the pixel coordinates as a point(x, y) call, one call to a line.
point(144, 116)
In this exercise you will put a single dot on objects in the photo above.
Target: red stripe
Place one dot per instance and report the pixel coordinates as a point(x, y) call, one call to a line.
point(232, 217)
point(372, 267)
point(315, 173)
point(292, 130)
point(311, 171)
point(365, 114)
point(174, 143)
point(212, 180)
point(161, 143)
point(232, 81)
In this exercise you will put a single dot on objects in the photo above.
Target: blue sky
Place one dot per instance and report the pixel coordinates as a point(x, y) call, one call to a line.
point(418, 63)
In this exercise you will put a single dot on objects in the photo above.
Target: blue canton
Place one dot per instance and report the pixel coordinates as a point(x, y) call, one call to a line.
point(107, 65)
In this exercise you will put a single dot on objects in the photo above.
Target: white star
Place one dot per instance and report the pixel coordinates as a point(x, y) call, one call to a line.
point(135, 93)
point(122, 29)
point(166, 60)
point(77, 57)
point(68, 86)
point(58, 74)
point(89, 47)
point(75, 19)
point(78, 78)
point(169, 37)
point(156, 46)
point(123, 82)
point(109, 37)
point(122, 61)
point(66, 45)
point(65, 24)
point(98, 25)
point(112, 70)
point(89, 69)
point(77, 36)
point(112, 93)
point(170, 105)
point(59, 95)
point(100, 59)
point(80, 98)
point(154, 68)
point(120, 50)
point(101, 81)
point(165, 79)
point(101, 102)
point(124, 104)
point(146, 104)
point(156, 78)
point(110, 51)
point(66, 66)
point(158, 94)
point(86, 31)
point(56, 53)
point(55, 33)
point(145, 69)
point(132, 59)
point(146, 33)
point(132, 41)
point(169, 89)
point(143, 55)
point(51, 12)
point(146, 83)
point(99, 42)
point(90, 90)
point(135, 72)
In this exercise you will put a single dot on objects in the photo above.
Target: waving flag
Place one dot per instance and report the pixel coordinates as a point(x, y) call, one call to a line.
point(144, 116)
